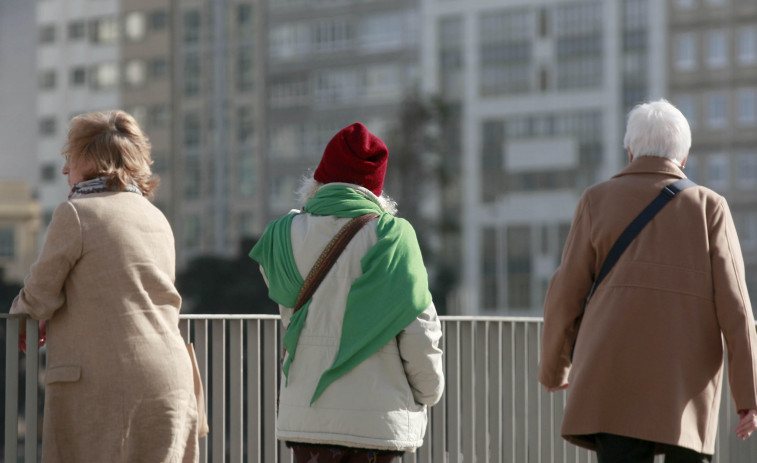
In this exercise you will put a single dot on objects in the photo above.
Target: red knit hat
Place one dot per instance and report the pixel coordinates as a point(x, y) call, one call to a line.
point(356, 156)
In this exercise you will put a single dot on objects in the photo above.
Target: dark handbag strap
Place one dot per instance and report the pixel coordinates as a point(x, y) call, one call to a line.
point(633, 229)
point(329, 256)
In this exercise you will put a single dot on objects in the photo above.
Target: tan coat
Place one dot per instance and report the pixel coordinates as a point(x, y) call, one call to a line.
point(648, 359)
point(118, 380)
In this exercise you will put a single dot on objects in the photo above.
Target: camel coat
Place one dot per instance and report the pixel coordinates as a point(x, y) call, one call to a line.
point(118, 382)
point(648, 359)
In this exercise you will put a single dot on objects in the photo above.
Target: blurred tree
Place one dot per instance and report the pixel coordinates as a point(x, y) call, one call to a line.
point(423, 176)
point(219, 285)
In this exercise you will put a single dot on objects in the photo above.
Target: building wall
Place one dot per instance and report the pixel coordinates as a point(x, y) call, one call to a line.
point(713, 80)
point(543, 88)
point(19, 229)
point(78, 45)
point(18, 72)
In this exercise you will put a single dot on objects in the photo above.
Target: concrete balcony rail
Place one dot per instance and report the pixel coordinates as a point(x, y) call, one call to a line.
point(493, 409)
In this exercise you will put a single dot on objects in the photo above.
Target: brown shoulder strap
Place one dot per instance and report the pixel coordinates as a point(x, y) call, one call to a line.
point(329, 256)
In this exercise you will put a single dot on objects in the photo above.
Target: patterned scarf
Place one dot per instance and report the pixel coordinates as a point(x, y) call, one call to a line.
point(97, 185)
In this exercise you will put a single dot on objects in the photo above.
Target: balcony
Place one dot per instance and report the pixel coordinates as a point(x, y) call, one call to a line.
point(493, 409)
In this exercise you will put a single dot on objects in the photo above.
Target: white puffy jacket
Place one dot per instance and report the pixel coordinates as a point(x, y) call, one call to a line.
point(381, 403)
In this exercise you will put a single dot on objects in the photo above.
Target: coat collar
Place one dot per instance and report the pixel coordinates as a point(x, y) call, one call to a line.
point(652, 165)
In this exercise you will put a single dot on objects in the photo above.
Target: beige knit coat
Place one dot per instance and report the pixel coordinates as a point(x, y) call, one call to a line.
point(648, 361)
point(118, 383)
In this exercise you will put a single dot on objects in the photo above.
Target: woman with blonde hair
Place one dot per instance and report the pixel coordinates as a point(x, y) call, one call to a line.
point(118, 382)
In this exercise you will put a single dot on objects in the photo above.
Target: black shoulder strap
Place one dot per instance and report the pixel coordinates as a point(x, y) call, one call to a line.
point(636, 226)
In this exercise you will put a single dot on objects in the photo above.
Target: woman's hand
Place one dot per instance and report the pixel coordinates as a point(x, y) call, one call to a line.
point(747, 423)
point(42, 333)
point(561, 387)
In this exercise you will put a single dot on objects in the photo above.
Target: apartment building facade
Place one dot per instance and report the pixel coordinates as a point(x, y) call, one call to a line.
point(713, 80)
point(543, 87)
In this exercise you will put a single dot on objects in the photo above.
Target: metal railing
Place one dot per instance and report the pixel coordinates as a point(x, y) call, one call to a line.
point(493, 409)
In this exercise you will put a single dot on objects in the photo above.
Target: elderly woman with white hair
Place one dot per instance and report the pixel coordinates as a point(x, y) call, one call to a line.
point(643, 358)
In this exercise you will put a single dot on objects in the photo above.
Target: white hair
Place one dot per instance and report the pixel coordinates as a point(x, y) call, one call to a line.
point(658, 128)
point(310, 186)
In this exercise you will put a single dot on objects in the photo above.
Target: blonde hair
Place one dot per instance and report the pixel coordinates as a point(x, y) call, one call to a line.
point(117, 148)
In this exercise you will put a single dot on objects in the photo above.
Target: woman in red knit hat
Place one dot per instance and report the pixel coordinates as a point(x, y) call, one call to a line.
point(362, 358)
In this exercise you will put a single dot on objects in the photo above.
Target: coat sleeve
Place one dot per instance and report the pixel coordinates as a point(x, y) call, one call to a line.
point(422, 357)
point(43, 291)
point(566, 295)
point(733, 308)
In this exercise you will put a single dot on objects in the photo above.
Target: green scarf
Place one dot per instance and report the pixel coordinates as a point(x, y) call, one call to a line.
point(388, 296)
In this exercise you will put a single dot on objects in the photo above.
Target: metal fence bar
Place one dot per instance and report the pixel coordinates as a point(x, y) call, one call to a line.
point(31, 407)
point(438, 416)
point(200, 340)
point(217, 416)
point(254, 374)
point(236, 391)
point(493, 410)
point(11, 389)
point(270, 390)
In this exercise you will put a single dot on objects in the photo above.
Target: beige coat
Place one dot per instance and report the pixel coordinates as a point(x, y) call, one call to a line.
point(649, 354)
point(118, 381)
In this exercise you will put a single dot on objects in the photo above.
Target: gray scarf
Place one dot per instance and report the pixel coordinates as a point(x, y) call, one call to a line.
point(97, 185)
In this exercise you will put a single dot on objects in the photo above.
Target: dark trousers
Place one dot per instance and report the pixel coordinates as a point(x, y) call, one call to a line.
point(314, 453)
point(612, 448)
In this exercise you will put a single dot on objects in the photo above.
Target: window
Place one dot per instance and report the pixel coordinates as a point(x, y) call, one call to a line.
point(104, 76)
point(518, 267)
point(451, 56)
point(47, 79)
point(245, 21)
point(159, 116)
point(245, 124)
point(135, 72)
point(687, 104)
point(7, 242)
point(48, 172)
point(505, 52)
point(47, 126)
point(578, 31)
point(192, 24)
point(746, 170)
point(691, 169)
point(192, 130)
point(717, 112)
point(77, 30)
point(746, 46)
point(747, 230)
point(47, 34)
point(387, 31)
point(332, 35)
point(717, 49)
point(718, 172)
point(246, 181)
point(192, 232)
point(135, 26)
point(245, 69)
point(191, 75)
point(192, 177)
point(157, 20)
point(747, 107)
point(157, 68)
point(78, 76)
point(103, 30)
point(685, 52)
